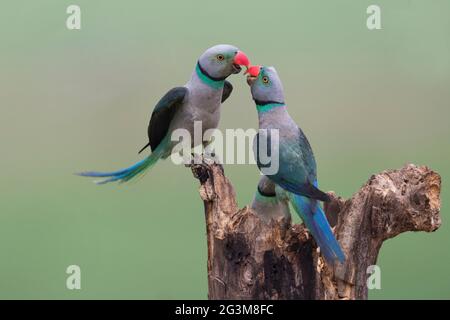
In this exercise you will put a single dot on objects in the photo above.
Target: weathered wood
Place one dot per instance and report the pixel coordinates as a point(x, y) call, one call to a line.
point(252, 259)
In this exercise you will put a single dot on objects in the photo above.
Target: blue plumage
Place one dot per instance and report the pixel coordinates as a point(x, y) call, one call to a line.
point(296, 176)
point(98, 174)
point(132, 171)
point(315, 220)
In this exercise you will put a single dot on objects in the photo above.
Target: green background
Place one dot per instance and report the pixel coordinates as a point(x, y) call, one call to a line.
point(76, 100)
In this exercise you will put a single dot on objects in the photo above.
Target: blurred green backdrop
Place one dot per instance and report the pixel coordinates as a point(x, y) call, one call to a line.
point(76, 100)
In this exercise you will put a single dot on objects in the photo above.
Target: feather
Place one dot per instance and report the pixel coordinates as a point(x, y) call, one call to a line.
point(316, 222)
point(132, 171)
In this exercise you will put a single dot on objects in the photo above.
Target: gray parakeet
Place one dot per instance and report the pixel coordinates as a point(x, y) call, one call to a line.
point(266, 203)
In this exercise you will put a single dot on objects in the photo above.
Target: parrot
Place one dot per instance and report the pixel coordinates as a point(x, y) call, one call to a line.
point(296, 177)
point(266, 204)
point(198, 100)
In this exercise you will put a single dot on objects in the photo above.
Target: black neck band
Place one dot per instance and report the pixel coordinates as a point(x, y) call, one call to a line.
point(264, 102)
point(266, 194)
point(206, 74)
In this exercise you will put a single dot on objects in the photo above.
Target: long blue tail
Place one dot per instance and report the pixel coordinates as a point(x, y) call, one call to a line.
point(315, 220)
point(129, 173)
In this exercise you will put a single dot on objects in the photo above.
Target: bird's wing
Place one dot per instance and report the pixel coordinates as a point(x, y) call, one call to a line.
point(306, 189)
point(307, 156)
point(227, 89)
point(297, 168)
point(163, 114)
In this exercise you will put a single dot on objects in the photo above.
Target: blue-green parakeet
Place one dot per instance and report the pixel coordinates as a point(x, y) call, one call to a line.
point(296, 177)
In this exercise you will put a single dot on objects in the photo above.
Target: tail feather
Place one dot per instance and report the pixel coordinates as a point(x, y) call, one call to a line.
point(315, 220)
point(98, 174)
point(144, 147)
point(126, 174)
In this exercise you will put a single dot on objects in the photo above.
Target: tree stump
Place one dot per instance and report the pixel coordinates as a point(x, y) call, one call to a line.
point(249, 258)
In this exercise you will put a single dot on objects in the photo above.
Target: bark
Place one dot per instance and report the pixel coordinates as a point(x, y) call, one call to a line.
point(252, 259)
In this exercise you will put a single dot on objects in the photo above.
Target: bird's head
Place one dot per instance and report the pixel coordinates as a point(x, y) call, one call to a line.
point(265, 84)
point(222, 60)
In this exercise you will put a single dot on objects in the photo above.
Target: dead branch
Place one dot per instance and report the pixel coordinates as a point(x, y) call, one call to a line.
point(249, 258)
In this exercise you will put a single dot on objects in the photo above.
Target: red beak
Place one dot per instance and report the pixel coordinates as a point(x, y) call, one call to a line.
point(241, 59)
point(253, 71)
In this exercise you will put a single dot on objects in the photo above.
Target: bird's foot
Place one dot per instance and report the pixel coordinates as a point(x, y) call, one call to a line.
point(200, 167)
point(211, 158)
point(199, 159)
point(196, 159)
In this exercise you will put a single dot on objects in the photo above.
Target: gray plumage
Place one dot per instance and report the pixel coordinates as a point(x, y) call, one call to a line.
point(266, 203)
point(198, 100)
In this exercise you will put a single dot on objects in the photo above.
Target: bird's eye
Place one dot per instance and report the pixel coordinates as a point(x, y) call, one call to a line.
point(220, 57)
point(265, 79)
